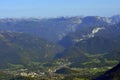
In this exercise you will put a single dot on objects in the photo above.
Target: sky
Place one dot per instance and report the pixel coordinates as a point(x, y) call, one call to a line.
point(57, 8)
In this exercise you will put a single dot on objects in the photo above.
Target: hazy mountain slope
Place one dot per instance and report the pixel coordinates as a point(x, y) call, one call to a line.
point(111, 32)
point(20, 48)
point(89, 26)
point(72, 54)
point(86, 37)
point(98, 45)
point(52, 29)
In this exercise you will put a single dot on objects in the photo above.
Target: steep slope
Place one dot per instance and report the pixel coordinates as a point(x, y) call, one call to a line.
point(97, 46)
point(21, 48)
point(91, 26)
point(111, 32)
point(113, 74)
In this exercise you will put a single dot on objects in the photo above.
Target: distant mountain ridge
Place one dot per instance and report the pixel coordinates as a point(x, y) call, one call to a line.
point(54, 29)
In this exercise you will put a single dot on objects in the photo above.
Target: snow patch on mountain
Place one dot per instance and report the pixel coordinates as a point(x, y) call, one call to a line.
point(95, 30)
point(78, 40)
point(91, 35)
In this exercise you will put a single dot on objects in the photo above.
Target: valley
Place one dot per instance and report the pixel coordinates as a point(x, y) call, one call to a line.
point(63, 48)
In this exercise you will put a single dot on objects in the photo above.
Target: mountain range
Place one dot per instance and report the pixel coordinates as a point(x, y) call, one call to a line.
point(54, 29)
point(92, 45)
point(87, 41)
